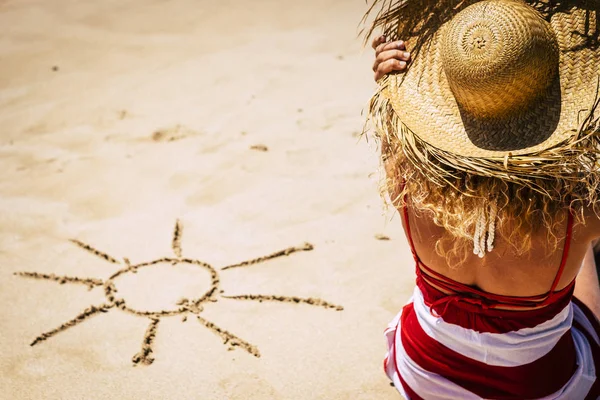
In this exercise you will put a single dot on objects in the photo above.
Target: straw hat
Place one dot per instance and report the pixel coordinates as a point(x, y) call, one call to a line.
point(502, 88)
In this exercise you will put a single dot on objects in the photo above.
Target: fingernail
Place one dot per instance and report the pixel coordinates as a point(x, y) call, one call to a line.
point(400, 43)
point(402, 64)
point(406, 54)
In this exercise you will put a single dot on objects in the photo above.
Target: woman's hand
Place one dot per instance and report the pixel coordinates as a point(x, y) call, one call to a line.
point(389, 57)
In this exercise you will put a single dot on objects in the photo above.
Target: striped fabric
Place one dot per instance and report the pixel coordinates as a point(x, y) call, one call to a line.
point(430, 358)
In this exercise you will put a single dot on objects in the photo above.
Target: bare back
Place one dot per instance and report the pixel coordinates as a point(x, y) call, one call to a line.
point(501, 271)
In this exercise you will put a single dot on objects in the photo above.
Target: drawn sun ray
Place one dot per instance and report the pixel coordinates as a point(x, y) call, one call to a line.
point(183, 307)
point(145, 355)
point(95, 252)
point(284, 252)
point(229, 338)
point(62, 279)
point(285, 299)
point(85, 314)
point(176, 243)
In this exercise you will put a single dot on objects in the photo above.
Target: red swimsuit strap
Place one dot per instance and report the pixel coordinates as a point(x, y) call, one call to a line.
point(453, 286)
point(565, 255)
point(409, 235)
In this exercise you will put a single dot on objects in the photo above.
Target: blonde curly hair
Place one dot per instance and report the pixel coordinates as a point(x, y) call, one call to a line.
point(522, 212)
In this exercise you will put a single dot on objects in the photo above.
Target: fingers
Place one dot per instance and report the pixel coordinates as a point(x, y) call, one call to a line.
point(389, 66)
point(397, 45)
point(389, 57)
point(391, 54)
point(377, 41)
point(386, 59)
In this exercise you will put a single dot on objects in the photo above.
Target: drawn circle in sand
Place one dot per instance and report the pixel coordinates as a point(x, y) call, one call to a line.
point(158, 288)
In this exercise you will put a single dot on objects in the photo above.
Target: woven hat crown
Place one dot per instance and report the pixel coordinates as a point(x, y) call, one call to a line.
point(499, 56)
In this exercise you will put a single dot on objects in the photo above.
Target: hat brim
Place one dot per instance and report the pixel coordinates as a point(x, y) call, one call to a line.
point(424, 104)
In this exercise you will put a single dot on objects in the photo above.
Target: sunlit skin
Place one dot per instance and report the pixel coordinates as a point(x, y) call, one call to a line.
point(501, 271)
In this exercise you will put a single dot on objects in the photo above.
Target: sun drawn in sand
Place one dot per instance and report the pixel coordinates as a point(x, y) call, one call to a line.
point(184, 307)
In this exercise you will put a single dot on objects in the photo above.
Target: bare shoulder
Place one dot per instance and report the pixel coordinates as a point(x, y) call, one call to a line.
point(590, 229)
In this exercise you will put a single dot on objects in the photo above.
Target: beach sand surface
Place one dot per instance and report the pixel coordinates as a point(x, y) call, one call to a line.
point(170, 139)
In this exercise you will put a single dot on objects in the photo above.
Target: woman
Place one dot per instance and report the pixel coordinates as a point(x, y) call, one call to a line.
point(490, 140)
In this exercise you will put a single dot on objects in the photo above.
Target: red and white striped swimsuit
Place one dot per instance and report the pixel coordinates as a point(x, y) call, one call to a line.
point(467, 345)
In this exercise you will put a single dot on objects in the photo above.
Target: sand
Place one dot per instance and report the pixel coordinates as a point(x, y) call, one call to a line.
point(146, 146)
